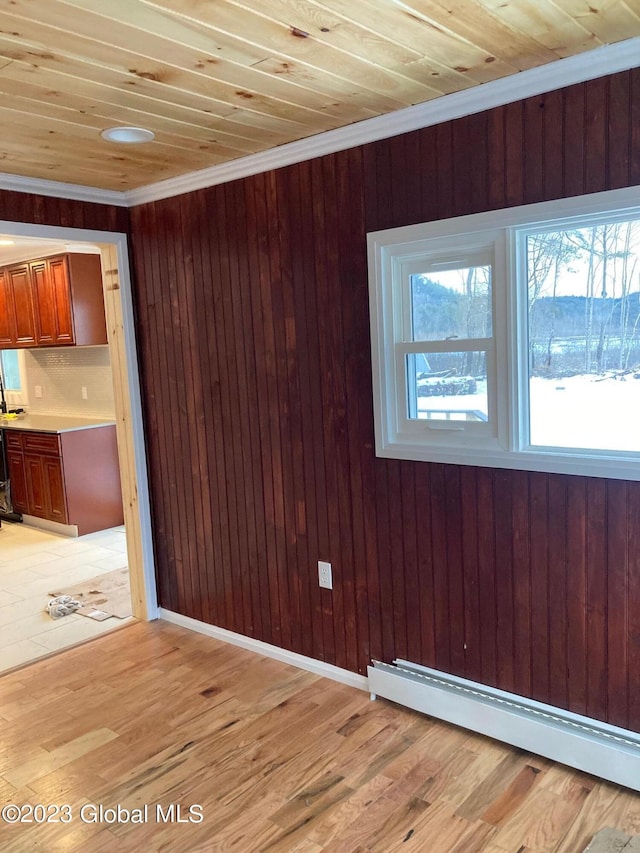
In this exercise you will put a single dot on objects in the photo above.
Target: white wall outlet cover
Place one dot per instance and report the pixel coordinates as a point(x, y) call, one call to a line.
point(325, 578)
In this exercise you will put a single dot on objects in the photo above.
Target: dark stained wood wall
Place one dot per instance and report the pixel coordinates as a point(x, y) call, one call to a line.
point(254, 333)
point(45, 210)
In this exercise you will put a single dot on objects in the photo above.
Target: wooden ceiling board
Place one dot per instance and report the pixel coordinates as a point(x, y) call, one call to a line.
point(218, 80)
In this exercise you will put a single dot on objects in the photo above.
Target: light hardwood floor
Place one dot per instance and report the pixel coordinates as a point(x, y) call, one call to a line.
point(34, 563)
point(278, 759)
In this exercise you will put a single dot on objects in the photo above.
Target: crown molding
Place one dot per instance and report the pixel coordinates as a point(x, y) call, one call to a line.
point(589, 65)
point(57, 189)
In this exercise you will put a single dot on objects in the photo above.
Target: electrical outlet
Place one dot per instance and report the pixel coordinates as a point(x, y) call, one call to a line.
point(85, 396)
point(324, 575)
point(38, 391)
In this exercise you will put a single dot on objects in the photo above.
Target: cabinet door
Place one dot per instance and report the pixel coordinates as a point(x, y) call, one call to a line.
point(20, 282)
point(54, 485)
point(7, 313)
point(43, 304)
point(36, 485)
point(18, 482)
point(58, 275)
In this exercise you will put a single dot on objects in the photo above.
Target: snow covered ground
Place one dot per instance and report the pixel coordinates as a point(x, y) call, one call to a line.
point(589, 412)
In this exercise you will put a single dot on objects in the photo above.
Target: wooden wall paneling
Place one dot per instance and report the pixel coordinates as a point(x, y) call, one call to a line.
point(540, 617)
point(353, 296)
point(270, 286)
point(633, 603)
point(399, 177)
point(244, 332)
point(384, 556)
point(487, 577)
point(533, 139)
point(479, 172)
point(597, 650)
point(211, 337)
point(445, 173)
point(553, 142)
point(596, 117)
point(518, 566)
point(295, 189)
point(410, 526)
point(470, 164)
point(355, 321)
point(496, 142)
point(315, 434)
point(634, 121)
point(192, 417)
point(507, 577)
point(521, 553)
point(425, 565)
point(335, 403)
point(577, 629)
point(398, 529)
point(236, 389)
point(150, 303)
point(179, 388)
point(413, 192)
point(618, 130)
point(557, 524)
point(429, 167)
point(516, 149)
point(267, 583)
point(291, 433)
point(574, 142)
point(231, 389)
point(440, 568)
point(470, 568)
point(618, 601)
point(454, 526)
point(247, 428)
point(384, 178)
point(463, 155)
point(208, 531)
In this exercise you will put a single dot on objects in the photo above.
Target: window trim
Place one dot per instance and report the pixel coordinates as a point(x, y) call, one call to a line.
point(389, 249)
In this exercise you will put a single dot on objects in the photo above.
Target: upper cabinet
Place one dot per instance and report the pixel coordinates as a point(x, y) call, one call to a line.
point(56, 301)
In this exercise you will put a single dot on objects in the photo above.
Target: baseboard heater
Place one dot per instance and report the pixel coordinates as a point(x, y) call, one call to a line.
point(606, 751)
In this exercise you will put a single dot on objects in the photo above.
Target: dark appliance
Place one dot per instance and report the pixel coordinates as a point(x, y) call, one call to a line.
point(6, 507)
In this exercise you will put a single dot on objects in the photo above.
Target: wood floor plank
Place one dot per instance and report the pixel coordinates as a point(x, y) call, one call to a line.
point(280, 761)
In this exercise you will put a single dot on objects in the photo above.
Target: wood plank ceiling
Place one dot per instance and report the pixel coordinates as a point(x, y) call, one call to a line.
point(219, 79)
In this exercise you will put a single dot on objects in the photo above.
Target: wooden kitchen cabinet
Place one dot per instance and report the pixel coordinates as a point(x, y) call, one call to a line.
point(56, 301)
point(70, 477)
point(25, 326)
point(7, 312)
point(18, 480)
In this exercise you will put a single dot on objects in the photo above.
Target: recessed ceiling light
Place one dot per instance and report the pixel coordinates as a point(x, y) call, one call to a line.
point(127, 134)
point(4, 241)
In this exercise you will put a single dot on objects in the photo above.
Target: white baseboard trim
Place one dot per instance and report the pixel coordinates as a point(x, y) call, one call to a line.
point(607, 751)
point(317, 667)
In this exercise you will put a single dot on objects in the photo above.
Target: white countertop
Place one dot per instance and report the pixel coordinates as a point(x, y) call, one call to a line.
point(54, 423)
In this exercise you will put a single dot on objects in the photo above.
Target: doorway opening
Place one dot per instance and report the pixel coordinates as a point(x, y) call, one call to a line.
point(31, 556)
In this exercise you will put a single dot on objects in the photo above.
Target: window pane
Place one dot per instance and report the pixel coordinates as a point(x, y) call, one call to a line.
point(10, 369)
point(584, 337)
point(448, 386)
point(451, 304)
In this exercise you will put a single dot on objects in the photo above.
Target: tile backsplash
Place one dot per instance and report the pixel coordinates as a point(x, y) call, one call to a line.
point(61, 374)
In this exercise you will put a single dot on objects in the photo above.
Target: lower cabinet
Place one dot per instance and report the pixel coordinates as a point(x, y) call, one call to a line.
point(70, 478)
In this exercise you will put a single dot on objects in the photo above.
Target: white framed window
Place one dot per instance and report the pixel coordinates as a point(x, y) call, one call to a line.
point(12, 370)
point(512, 338)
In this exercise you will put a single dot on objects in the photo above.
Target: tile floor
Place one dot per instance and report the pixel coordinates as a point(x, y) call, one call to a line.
point(34, 562)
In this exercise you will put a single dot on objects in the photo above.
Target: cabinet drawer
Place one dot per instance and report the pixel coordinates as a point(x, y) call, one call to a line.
point(41, 442)
point(13, 440)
